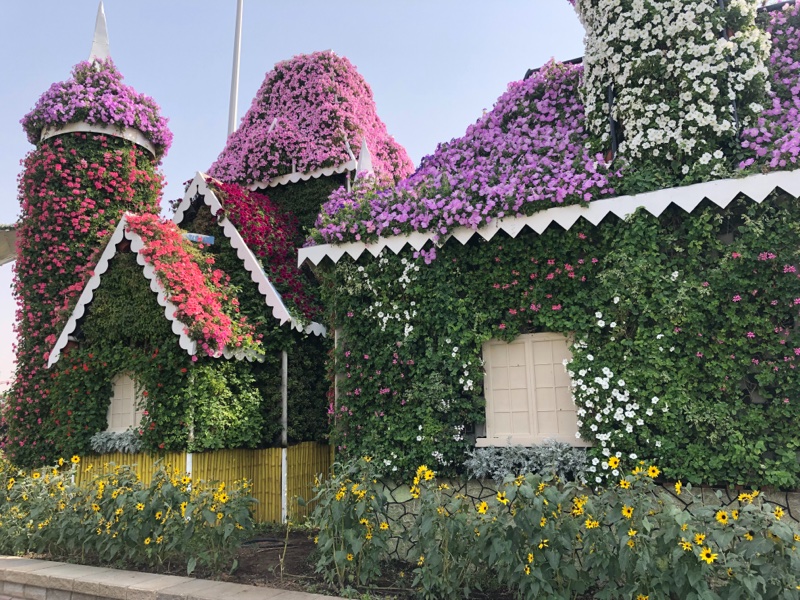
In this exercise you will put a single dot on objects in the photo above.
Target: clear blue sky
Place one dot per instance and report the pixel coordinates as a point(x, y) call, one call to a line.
point(433, 66)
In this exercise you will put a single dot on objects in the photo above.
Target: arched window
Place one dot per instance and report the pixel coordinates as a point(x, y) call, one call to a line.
point(124, 410)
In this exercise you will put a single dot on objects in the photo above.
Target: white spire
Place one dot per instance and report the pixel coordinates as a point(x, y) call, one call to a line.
point(364, 158)
point(100, 47)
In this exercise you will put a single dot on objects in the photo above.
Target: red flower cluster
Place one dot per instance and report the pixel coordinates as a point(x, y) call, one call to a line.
point(200, 292)
point(269, 233)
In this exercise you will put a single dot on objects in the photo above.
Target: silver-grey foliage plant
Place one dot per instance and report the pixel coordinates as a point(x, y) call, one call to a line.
point(106, 442)
point(552, 457)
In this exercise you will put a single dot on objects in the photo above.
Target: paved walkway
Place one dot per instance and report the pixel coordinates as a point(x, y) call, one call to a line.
point(29, 579)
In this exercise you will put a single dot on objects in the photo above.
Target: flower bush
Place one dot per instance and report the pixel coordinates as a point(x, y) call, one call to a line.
point(113, 517)
point(96, 95)
point(774, 137)
point(305, 115)
point(350, 513)
point(686, 78)
point(697, 96)
point(539, 537)
point(270, 233)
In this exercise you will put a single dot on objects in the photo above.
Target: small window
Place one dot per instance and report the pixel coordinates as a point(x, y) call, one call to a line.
point(124, 410)
point(528, 392)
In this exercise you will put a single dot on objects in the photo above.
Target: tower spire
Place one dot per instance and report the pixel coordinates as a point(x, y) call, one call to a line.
point(100, 46)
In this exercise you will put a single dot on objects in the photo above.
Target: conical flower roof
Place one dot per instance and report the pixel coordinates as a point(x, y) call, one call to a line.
point(311, 112)
point(95, 94)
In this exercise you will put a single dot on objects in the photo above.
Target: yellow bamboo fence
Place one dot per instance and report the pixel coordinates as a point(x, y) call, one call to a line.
point(261, 467)
point(305, 461)
point(146, 464)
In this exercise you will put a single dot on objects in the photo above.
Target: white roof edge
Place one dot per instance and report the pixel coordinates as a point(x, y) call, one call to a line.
point(271, 295)
point(720, 192)
point(350, 165)
point(87, 294)
point(127, 133)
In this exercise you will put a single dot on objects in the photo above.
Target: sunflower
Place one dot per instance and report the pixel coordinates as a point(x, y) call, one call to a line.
point(482, 508)
point(613, 462)
point(624, 484)
point(721, 517)
point(707, 555)
point(653, 472)
point(627, 511)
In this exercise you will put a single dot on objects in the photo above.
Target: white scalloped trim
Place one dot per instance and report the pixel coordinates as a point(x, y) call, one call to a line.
point(350, 165)
point(721, 193)
point(272, 297)
point(127, 133)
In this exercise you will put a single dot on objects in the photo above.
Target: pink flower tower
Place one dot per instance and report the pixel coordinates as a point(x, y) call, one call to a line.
point(98, 147)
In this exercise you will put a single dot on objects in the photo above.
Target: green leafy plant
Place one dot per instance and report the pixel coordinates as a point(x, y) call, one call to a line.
point(354, 531)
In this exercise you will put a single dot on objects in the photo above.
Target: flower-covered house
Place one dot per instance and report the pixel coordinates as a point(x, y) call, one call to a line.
point(609, 256)
point(138, 332)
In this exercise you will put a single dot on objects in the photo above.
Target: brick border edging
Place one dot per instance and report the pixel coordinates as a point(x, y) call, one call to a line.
point(32, 579)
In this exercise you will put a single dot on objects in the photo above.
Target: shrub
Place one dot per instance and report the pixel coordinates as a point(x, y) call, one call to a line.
point(114, 517)
point(350, 512)
point(543, 537)
point(552, 457)
point(105, 442)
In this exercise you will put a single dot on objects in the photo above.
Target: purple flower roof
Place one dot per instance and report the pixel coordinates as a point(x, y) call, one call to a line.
point(528, 153)
point(95, 94)
point(303, 116)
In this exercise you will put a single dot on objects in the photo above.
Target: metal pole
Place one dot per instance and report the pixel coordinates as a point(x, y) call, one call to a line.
point(284, 436)
point(237, 51)
point(284, 399)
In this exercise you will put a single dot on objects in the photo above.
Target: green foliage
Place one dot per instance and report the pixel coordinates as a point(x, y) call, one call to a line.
point(115, 518)
point(225, 403)
point(304, 199)
point(350, 512)
point(539, 537)
point(550, 458)
point(693, 314)
point(106, 442)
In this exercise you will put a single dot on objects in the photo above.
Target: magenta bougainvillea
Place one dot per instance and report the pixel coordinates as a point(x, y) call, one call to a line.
point(205, 304)
point(304, 116)
point(528, 153)
point(73, 190)
point(95, 94)
point(775, 140)
point(269, 233)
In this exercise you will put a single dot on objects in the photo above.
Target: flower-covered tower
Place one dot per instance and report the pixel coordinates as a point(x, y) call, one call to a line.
point(98, 147)
point(670, 85)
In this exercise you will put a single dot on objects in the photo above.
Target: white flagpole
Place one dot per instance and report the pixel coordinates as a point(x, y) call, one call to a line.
point(237, 51)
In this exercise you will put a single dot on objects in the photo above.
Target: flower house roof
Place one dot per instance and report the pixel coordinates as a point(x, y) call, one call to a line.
point(8, 250)
point(530, 153)
point(721, 193)
point(173, 300)
point(95, 99)
point(199, 189)
point(307, 118)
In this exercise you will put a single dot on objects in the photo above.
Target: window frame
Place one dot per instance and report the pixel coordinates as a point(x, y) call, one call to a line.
point(136, 406)
point(492, 437)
